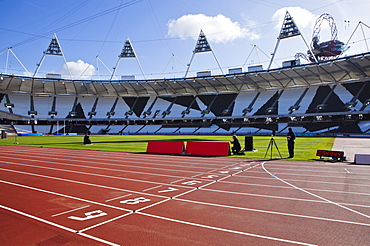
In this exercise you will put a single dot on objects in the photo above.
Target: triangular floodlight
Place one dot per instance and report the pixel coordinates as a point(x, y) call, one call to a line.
point(202, 44)
point(127, 50)
point(289, 28)
point(53, 49)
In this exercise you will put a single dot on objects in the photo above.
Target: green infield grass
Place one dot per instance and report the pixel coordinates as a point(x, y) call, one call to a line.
point(305, 147)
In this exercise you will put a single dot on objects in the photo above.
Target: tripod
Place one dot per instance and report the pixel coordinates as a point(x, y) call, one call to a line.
point(269, 147)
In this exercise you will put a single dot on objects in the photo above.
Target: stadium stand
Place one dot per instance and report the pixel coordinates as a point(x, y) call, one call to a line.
point(326, 98)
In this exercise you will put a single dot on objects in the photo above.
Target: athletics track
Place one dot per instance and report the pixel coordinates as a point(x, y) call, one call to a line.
point(77, 197)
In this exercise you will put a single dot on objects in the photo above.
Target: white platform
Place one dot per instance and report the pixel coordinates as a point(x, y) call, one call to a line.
point(352, 146)
point(362, 158)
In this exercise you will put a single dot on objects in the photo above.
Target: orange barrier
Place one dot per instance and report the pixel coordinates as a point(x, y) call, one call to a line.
point(165, 147)
point(208, 148)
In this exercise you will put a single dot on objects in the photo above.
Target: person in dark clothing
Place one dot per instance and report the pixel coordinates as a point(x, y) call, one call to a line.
point(290, 137)
point(236, 145)
point(87, 139)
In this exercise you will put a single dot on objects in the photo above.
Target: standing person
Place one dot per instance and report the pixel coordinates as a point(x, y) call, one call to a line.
point(290, 137)
point(236, 145)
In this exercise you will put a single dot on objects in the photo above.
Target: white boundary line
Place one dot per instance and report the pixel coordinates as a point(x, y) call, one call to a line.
point(57, 225)
point(317, 196)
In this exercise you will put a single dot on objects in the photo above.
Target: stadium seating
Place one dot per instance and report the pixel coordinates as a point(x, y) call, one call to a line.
point(316, 99)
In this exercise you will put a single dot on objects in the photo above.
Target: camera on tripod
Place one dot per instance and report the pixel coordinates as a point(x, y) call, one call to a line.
point(271, 144)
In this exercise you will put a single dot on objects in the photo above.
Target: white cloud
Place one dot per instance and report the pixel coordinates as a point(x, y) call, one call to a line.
point(302, 17)
point(218, 29)
point(79, 69)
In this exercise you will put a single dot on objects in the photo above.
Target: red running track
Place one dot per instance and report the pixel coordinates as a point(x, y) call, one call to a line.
point(77, 197)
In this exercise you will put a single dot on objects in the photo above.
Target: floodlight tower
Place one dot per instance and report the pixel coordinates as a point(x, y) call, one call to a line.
point(288, 29)
point(202, 46)
point(53, 49)
point(127, 52)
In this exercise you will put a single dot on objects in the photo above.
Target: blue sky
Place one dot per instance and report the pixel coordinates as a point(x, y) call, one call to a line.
point(163, 34)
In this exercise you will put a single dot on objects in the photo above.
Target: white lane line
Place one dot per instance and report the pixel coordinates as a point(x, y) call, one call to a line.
point(127, 162)
point(63, 195)
point(95, 174)
point(69, 211)
point(347, 170)
point(117, 198)
point(338, 175)
point(280, 197)
point(141, 193)
point(306, 181)
point(57, 225)
point(177, 181)
point(224, 230)
point(272, 212)
point(152, 205)
point(104, 222)
point(152, 188)
point(312, 194)
point(83, 183)
point(104, 168)
point(286, 187)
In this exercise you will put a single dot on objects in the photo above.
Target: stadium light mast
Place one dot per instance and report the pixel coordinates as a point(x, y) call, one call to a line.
point(360, 24)
point(202, 46)
point(288, 29)
point(8, 51)
point(127, 52)
point(53, 49)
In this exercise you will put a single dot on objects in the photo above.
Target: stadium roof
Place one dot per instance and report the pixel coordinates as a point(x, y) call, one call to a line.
point(347, 69)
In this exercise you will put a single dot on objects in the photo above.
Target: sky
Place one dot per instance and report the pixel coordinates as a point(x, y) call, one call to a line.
point(163, 34)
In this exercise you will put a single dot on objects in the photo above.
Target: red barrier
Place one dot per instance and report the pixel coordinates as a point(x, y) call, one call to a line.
point(208, 148)
point(165, 147)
